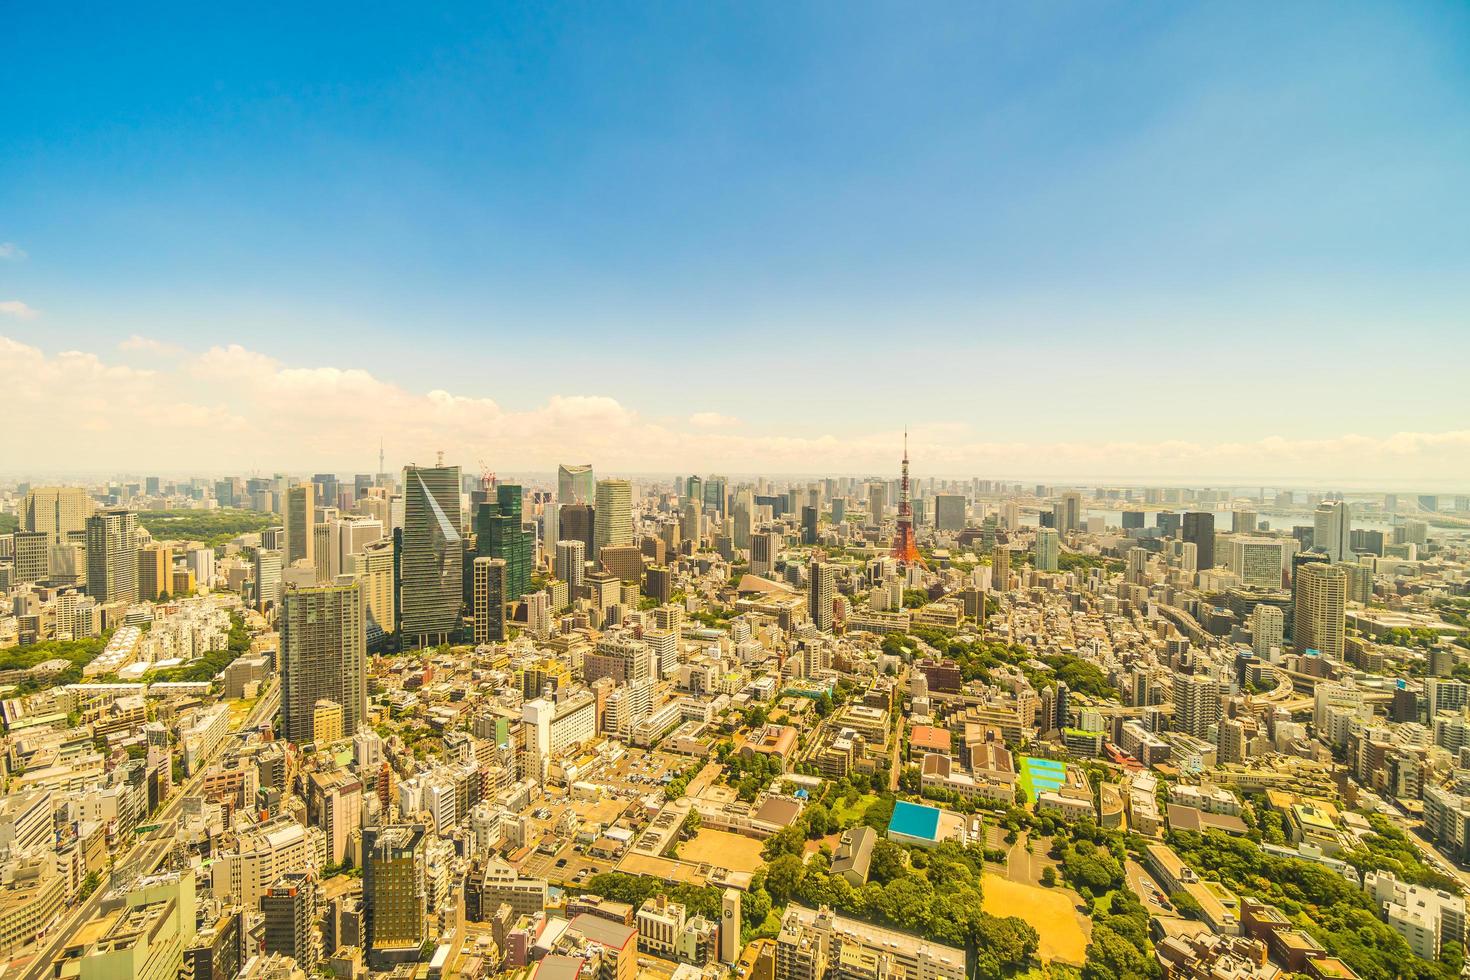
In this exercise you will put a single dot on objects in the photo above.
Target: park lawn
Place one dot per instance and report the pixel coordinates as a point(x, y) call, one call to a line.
point(847, 816)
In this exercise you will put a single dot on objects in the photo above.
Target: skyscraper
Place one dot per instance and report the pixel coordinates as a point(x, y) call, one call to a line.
point(432, 560)
point(613, 521)
point(575, 484)
point(1000, 568)
point(267, 579)
point(112, 564)
point(808, 525)
point(501, 533)
point(323, 655)
point(289, 910)
point(1199, 530)
point(56, 512)
point(1319, 617)
point(490, 598)
point(301, 524)
point(949, 511)
point(394, 888)
point(571, 564)
point(374, 568)
point(1197, 704)
point(155, 571)
point(1048, 549)
point(1332, 531)
point(819, 598)
point(576, 524)
point(32, 556)
point(1268, 627)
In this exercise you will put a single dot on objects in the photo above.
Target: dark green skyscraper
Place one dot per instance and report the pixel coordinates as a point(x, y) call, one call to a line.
point(500, 533)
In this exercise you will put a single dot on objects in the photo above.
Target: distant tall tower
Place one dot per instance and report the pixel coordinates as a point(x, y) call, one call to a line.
point(905, 548)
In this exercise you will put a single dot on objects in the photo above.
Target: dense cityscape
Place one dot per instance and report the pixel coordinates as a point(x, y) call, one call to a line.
point(735, 491)
point(436, 723)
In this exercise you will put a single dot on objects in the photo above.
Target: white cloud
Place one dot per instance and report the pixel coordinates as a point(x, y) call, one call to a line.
point(230, 409)
point(138, 342)
point(712, 420)
point(11, 251)
point(14, 307)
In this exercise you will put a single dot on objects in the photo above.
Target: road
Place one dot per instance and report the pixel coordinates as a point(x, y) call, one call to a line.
point(145, 855)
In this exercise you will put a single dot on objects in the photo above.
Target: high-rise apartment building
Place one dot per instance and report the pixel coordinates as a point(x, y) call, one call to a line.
point(613, 521)
point(490, 597)
point(820, 594)
point(571, 564)
point(1197, 704)
point(431, 565)
point(323, 655)
point(301, 524)
point(1000, 568)
point(1199, 530)
point(112, 563)
point(575, 484)
point(1319, 616)
point(1268, 628)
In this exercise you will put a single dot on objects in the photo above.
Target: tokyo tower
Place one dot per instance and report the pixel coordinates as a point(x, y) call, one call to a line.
point(905, 548)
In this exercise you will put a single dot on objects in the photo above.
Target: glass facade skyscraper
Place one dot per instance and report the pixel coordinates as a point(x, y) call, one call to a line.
point(431, 566)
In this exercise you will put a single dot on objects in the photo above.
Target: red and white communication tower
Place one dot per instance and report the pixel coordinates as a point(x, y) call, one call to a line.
point(905, 547)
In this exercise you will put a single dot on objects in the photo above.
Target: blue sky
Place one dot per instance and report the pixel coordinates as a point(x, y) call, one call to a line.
point(1040, 222)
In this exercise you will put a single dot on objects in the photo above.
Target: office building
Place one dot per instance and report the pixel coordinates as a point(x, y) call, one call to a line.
point(576, 522)
point(1048, 549)
point(822, 589)
point(612, 523)
point(1199, 530)
point(155, 571)
point(575, 484)
point(1319, 613)
point(949, 511)
point(394, 887)
point(500, 532)
point(112, 564)
point(432, 561)
point(1258, 561)
point(1332, 531)
point(490, 598)
point(60, 513)
point(809, 525)
point(323, 656)
point(267, 576)
point(301, 524)
point(32, 556)
point(289, 912)
point(374, 568)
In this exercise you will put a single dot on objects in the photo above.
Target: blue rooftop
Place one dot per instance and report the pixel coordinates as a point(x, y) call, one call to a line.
point(914, 820)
